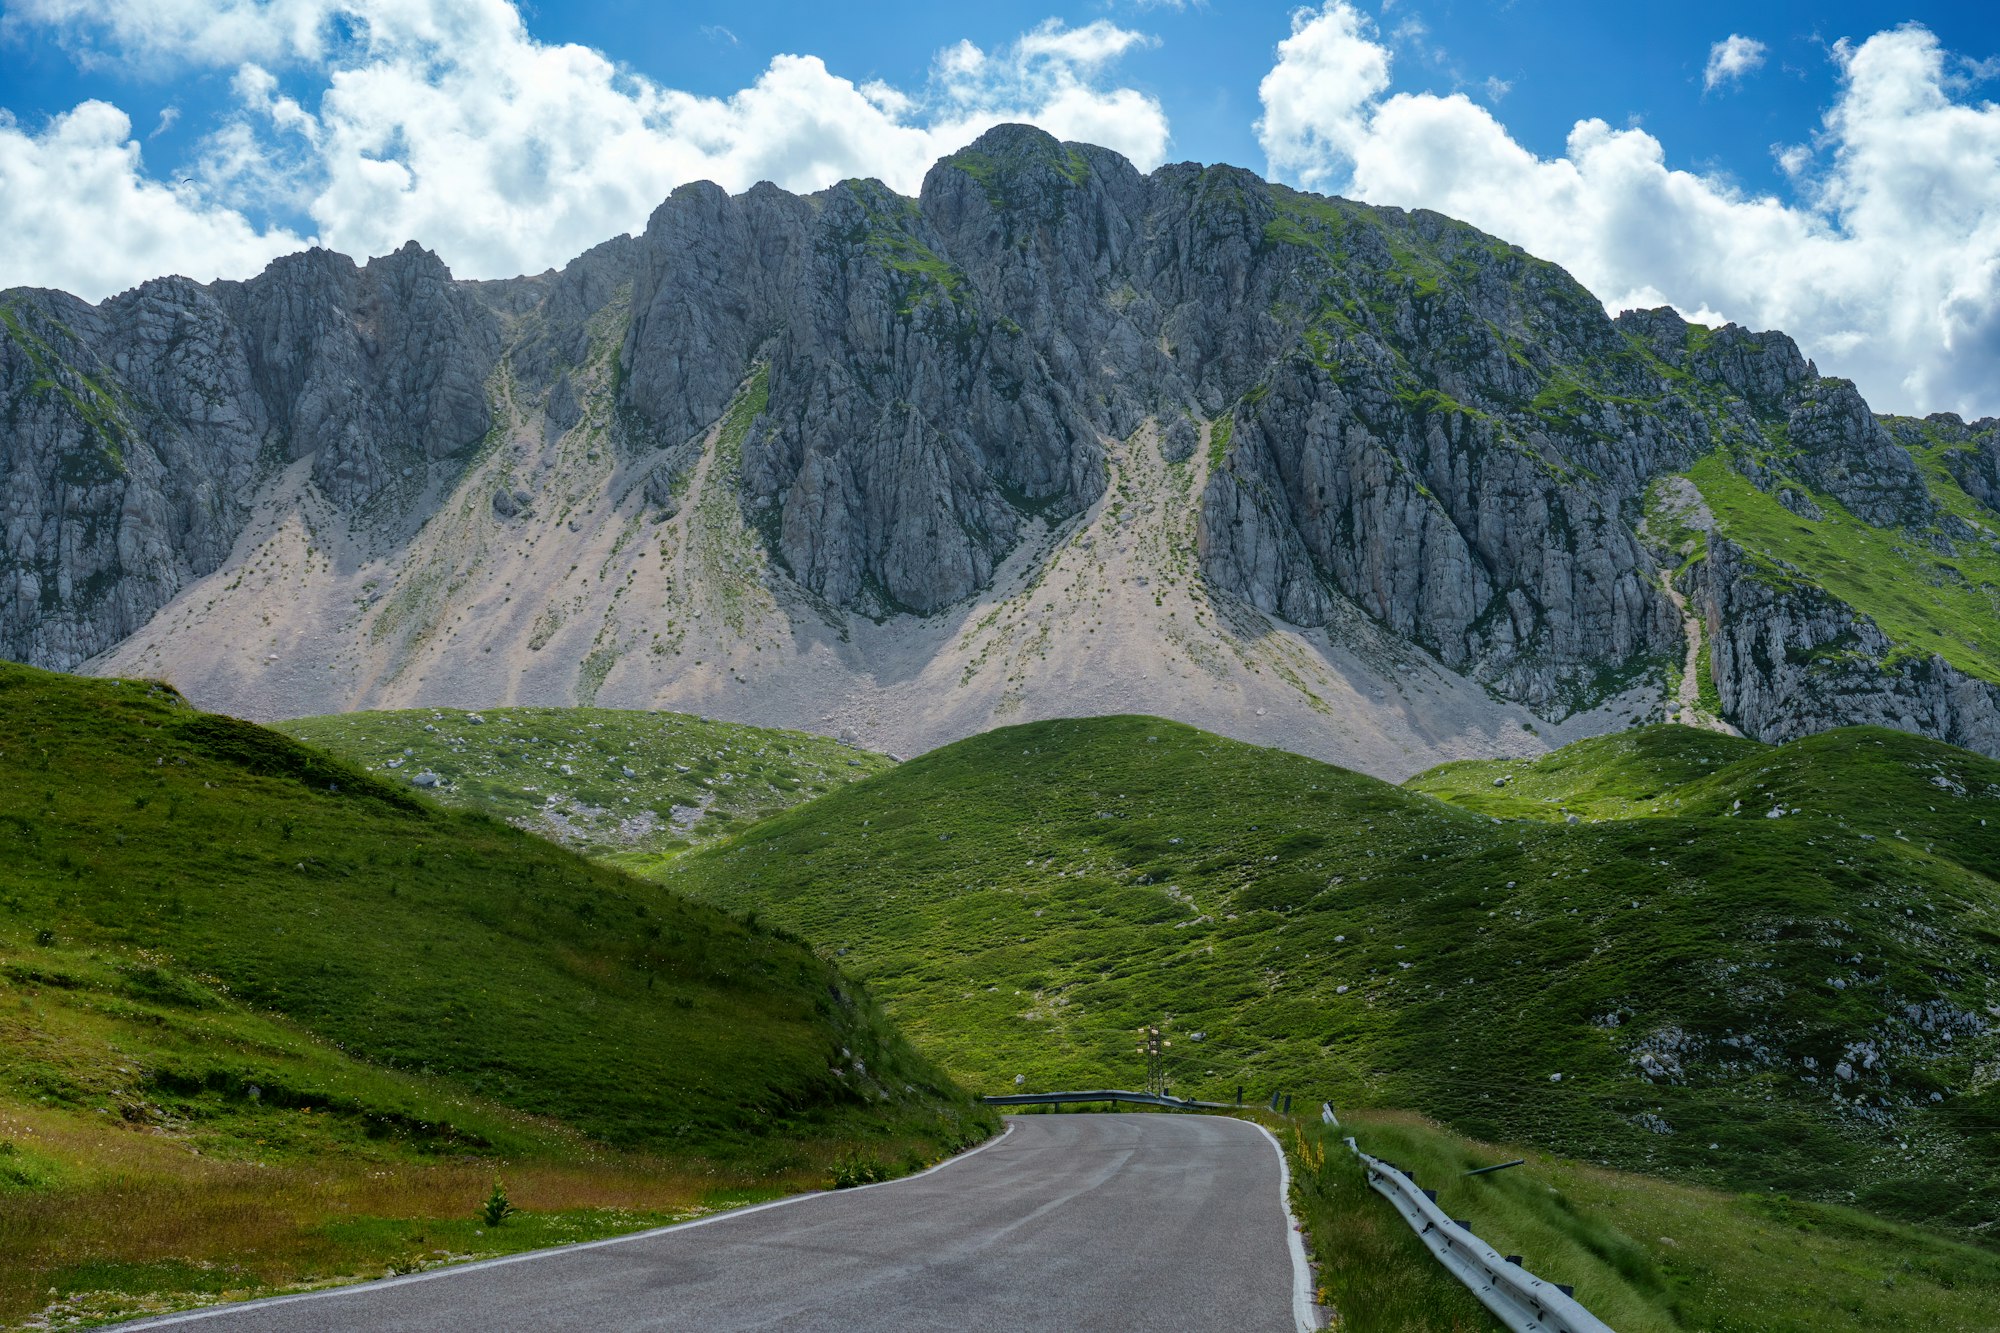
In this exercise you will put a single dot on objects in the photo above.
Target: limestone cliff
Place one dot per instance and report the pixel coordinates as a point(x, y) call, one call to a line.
point(1364, 424)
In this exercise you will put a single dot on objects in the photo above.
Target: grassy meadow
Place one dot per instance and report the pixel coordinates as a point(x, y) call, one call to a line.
point(627, 786)
point(274, 1017)
point(1736, 965)
point(1645, 1255)
point(267, 1019)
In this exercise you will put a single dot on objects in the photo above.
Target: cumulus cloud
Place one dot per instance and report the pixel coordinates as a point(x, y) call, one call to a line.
point(1886, 267)
point(79, 212)
point(160, 33)
point(1730, 59)
point(1317, 98)
point(447, 121)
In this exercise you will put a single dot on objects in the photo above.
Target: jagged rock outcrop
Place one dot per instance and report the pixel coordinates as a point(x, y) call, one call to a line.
point(1394, 413)
point(135, 431)
point(368, 370)
point(710, 279)
point(1838, 448)
point(113, 500)
point(909, 425)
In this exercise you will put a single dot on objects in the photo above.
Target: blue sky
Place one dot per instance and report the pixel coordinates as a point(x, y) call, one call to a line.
point(1833, 169)
point(1562, 61)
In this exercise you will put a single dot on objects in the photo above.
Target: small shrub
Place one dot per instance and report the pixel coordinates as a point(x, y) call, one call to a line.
point(853, 1169)
point(497, 1208)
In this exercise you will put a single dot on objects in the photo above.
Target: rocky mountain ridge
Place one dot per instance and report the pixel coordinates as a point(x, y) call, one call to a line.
point(1053, 435)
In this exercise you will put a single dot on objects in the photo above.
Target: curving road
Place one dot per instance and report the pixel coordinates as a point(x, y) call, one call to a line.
point(1069, 1222)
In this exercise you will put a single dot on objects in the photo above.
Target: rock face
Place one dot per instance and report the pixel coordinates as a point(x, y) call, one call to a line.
point(371, 372)
point(114, 499)
point(1392, 415)
point(1790, 660)
point(135, 431)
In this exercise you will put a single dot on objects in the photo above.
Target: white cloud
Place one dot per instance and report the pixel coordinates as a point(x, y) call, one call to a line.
point(446, 121)
point(1096, 43)
point(1317, 96)
point(1887, 270)
point(163, 32)
point(1730, 59)
point(79, 212)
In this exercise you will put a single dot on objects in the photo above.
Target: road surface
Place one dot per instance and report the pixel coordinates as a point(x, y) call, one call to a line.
point(1091, 1222)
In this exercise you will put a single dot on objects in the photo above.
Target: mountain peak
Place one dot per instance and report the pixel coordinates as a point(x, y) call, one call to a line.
point(1239, 442)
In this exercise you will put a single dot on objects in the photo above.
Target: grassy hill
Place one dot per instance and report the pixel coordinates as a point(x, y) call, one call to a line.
point(1754, 967)
point(248, 990)
point(1645, 1255)
point(626, 785)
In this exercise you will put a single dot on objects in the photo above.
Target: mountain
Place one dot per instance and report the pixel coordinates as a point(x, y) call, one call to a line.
point(1053, 438)
point(1673, 951)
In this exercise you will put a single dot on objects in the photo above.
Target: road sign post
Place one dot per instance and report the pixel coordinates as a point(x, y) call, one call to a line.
point(1154, 1047)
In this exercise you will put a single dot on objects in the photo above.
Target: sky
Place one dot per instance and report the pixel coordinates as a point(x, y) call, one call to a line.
point(1832, 169)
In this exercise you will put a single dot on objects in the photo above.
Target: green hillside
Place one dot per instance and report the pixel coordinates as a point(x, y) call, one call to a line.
point(604, 780)
point(1750, 966)
point(1629, 775)
point(1645, 1255)
point(221, 952)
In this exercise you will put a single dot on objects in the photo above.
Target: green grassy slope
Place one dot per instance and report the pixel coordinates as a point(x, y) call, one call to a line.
point(268, 1019)
point(1801, 1002)
point(1628, 775)
point(1645, 1255)
point(197, 866)
point(603, 780)
point(1934, 592)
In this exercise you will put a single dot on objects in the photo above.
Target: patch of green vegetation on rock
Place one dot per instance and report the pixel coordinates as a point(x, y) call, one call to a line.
point(1707, 696)
point(1668, 524)
point(998, 173)
point(1219, 432)
point(1789, 958)
point(1944, 603)
point(1929, 450)
point(890, 238)
point(99, 408)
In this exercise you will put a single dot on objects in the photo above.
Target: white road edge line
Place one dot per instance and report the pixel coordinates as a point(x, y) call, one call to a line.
point(454, 1270)
point(1302, 1293)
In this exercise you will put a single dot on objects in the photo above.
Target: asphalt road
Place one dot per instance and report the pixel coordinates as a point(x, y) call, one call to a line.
point(1071, 1222)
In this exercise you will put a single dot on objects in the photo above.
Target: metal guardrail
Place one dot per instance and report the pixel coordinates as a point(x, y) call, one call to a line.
point(1107, 1095)
point(1517, 1298)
